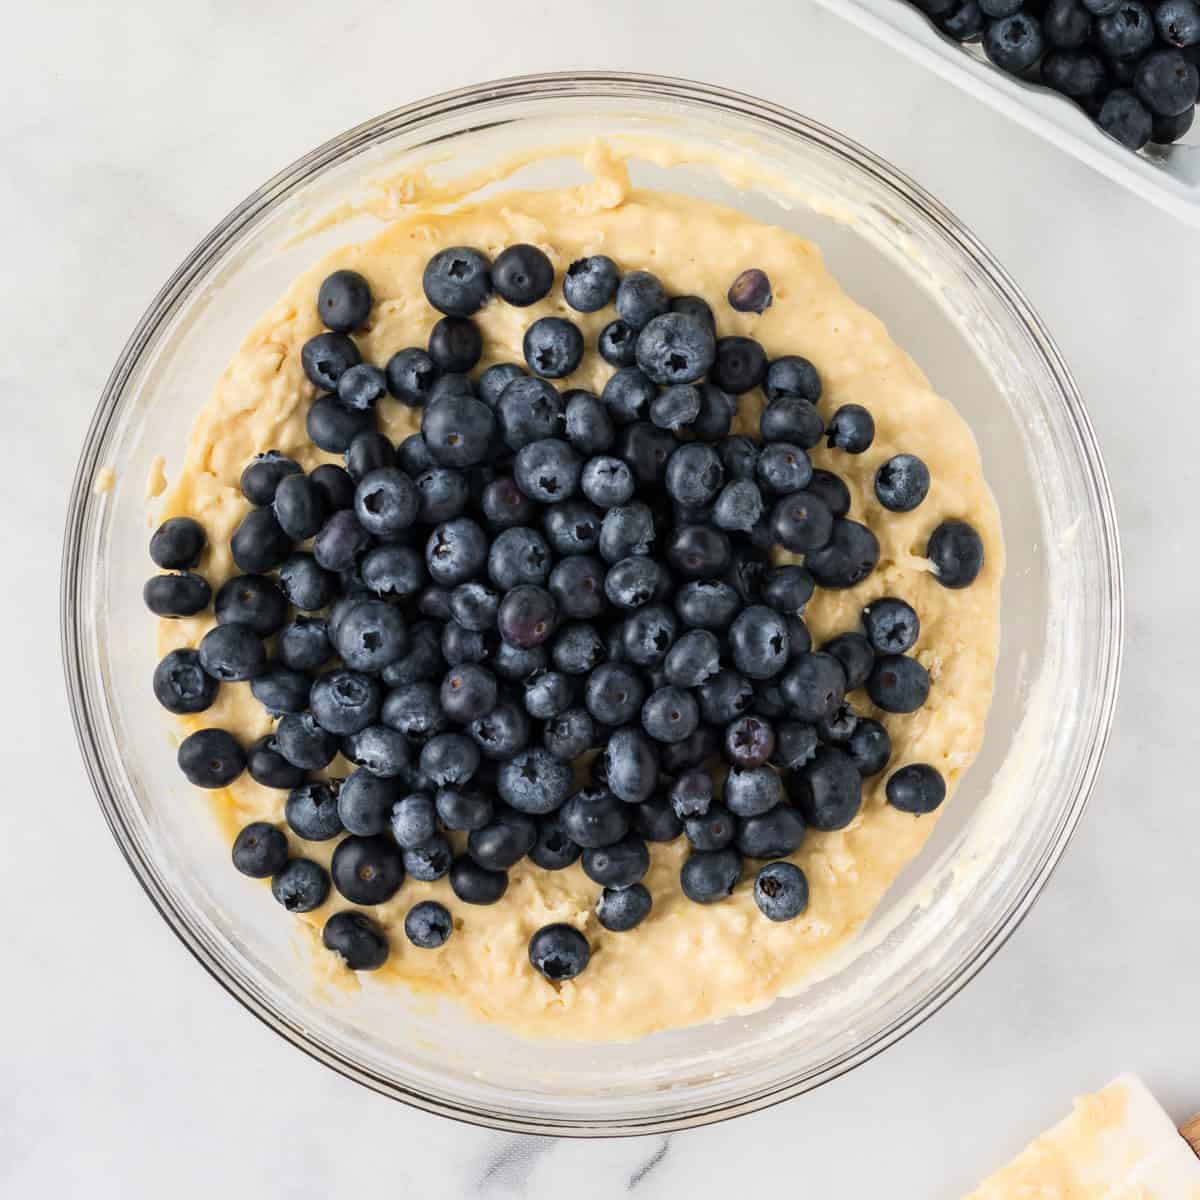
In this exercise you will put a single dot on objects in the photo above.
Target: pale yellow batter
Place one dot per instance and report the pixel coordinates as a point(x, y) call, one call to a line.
point(686, 963)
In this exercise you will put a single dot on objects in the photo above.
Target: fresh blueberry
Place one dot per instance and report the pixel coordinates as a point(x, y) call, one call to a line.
point(594, 817)
point(676, 407)
point(850, 555)
point(178, 543)
point(256, 602)
point(607, 481)
point(1126, 118)
point(458, 430)
point(955, 553)
point(793, 376)
point(869, 746)
point(640, 298)
point(442, 494)
point(380, 750)
point(495, 379)
point(670, 714)
point(699, 551)
point(534, 781)
point(304, 743)
point(547, 694)
point(457, 281)
point(333, 427)
point(838, 728)
point(177, 595)
point(577, 584)
point(591, 283)
point(710, 876)
point(547, 470)
point(260, 850)
point(800, 522)
point(646, 449)
point(344, 301)
point(917, 788)
point(522, 275)
point(740, 364)
point(739, 507)
point(452, 383)
point(312, 810)
point(1167, 83)
point(614, 693)
point(693, 659)
point(587, 425)
point(421, 662)
point(359, 941)
point(692, 794)
point(456, 551)
point(783, 468)
point(855, 654)
point(619, 910)
point(1075, 74)
point(725, 697)
point(577, 648)
point(739, 456)
point(758, 642)
point(415, 710)
point(232, 652)
point(964, 22)
point(772, 834)
point(852, 429)
point(504, 842)
point(750, 292)
point(795, 744)
point(832, 490)
point(1000, 8)
point(814, 685)
point(504, 505)
point(707, 604)
point(371, 635)
point(1127, 33)
point(411, 375)
point(675, 349)
point(369, 451)
point(468, 691)
point(627, 529)
point(386, 502)
point(1178, 22)
point(362, 387)
point(647, 635)
point(617, 344)
point(828, 789)
point(695, 307)
point(553, 347)
point(326, 357)
point(211, 758)
point(1170, 129)
point(787, 589)
point(529, 410)
point(1066, 24)
point(902, 483)
point(752, 791)
point(181, 685)
point(792, 420)
point(656, 821)
point(474, 605)
point(559, 952)
point(717, 410)
point(340, 541)
point(345, 701)
point(702, 746)
point(301, 885)
point(891, 625)
point(572, 527)
point(781, 891)
point(428, 861)
point(428, 925)
point(618, 866)
point(631, 765)
point(394, 572)
point(749, 743)
point(282, 690)
point(628, 395)
point(898, 684)
point(527, 616)
point(365, 802)
point(694, 474)
point(259, 544)
point(367, 870)
point(474, 884)
point(570, 734)
point(463, 810)
point(1014, 43)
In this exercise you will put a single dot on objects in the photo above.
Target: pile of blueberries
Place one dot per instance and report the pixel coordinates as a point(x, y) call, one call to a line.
point(541, 588)
point(1130, 64)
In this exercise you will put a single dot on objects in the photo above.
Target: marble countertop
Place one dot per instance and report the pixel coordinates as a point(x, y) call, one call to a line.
point(127, 131)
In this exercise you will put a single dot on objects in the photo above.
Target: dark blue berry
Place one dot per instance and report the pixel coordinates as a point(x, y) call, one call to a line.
point(852, 429)
point(917, 788)
point(855, 654)
point(458, 430)
point(586, 424)
point(428, 861)
point(394, 572)
point(260, 850)
point(631, 766)
point(725, 697)
point(607, 481)
point(628, 395)
point(468, 691)
point(869, 746)
point(800, 522)
point(620, 910)
point(832, 490)
point(282, 690)
point(495, 379)
point(783, 468)
point(1000, 8)
point(670, 714)
point(640, 298)
point(740, 364)
point(617, 344)
point(676, 407)
point(386, 502)
point(380, 750)
point(547, 470)
point(534, 781)
point(522, 275)
point(964, 22)
point(365, 802)
point(591, 283)
point(793, 376)
point(577, 648)
point(369, 451)
point(370, 636)
point(1167, 83)
point(1014, 43)
point(340, 541)
point(572, 527)
point(577, 584)
point(559, 952)
point(1178, 22)
point(428, 925)
point(326, 357)
point(781, 891)
point(594, 817)
point(301, 885)
point(849, 556)
point(675, 349)
point(359, 941)
point(828, 790)
point(795, 744)
point(707, 604)
point(411, 375)
point(178, 543)
point(1126, 33)
point(529, 410)
point(303, 742)
point(177, 595)
point(345, 701)
point(259, 544)
point(619, 865)
point(1075, 74)
point(455, 552)
point(656, 821)
point(181, 685)
point(211, 758)
point(749, 743)
point(333, 427)
point(691, 795)
point(693, 659)
point(457, 281)
point(814, 685)
point(504, 842)
point(955, 552)
point(361, 387)
point(627, 529)
point(699, 551)
point(772, 834)
point(898, 684)
point(717, 410)
point(902, 483)
point(750, 292)
point(1126, 118)
point(474, 884)
point(710, 876)
point(758, 642)
point(344, 301)
point(312, 810)
point(1066, 24)
point(891, 625)
point(553, 347)
point(752, 791)
point(232, 652)
point(463, 810)
point(367, 870)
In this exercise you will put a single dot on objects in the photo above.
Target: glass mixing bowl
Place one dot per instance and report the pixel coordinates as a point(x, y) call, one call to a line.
point(945, 298)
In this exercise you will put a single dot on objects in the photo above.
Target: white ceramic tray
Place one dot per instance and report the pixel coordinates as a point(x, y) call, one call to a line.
point(1167, 177)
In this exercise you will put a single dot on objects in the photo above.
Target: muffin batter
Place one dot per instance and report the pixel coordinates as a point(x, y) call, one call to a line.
point(685, 963)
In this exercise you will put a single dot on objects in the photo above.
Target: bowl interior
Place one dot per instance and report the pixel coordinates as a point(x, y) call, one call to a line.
point(897, 253)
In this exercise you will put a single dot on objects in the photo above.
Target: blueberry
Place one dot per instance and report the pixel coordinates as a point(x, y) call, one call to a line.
point(178, 543)
point(547, 470)
point(232, 652)
point(832, 490)
point(619, 910)
point(740, 364)
point(456, 551)
point(617, 344)
point(428, 925)
point(1000, 8)
point(305, 584)
point(1126, 118)
point(707, 604)
point(828, 790)
point(717, 410)
point(1074, 74)
point(646, 449)
point(656, 821)
point(262, 475)
point(694, 474)
point(529, 410)
point(614, 693)
point(856, 656)
point(572, 527)
point(795, 744)
point(1101, 8)
point(869, 747)
point(394, 572)
point(559, 952)
point(181, 685)
point(594, 817)
point(698, 551)
point(1170, 129)
point(852, 429)
point(304, 743)
point(847, 559)
point(676, 407)
point(344, 301)
point(386, 502)
point(410, 376)
point(725, 697)
point(553, 347)
point(312, 810)
point(1014, 43)
point(340, 541)
point(628, 395)
point(259, 544)
point(749, 743)
point(586, 423)
point(428, 861)
point(367, 870)
point(325, 357)
point(955, 553)
point(917, 789)
point(1166, 83)
point(898, 684)
point(359, 941)
point(891, 625)
point(1066, 24)
point(640, 298)
point(301, 885)
point(458, 430)
point(693, 659)
point(211, 758)
point(758, 642)
point(670, 714)
point(627, 529)
point(692, 794)
point(254, 601)
point(648, 634)
point(793, 420)
point(534, 782)
point(361, 387)
point(495, 379)
point(675, 349)
point(422, 661)
point(504, 505)
point(577, 584)
point(793, 376)
point(800, 522)
point(773, 834)
point(708, 877)
point(474, 884)
point(371, 635)
point(365, 802)
point(1126, 33)
point(333, 427)
point(463, 810)
point(260, 850)
point(442, 494)
point(607, 481)
point(504, 842)
point(547, 694)
point(781, 891)
point(902, 483)
point(282, 690)
point(838, 728)
point(1178, 22)
point(752, 791)
point(591, 283)
point(345, 701)
point(457, 281)
point(527, 617)
point(452, 383)
point(415, 710)
point(618, 866)
point(783, 468)
point(468, 691)
point(964, 22)
point(787, 589)
point(522, 275)
point(631, 766)
point(179, 595)
point(577, 648)
point(814, 685)
point(750, 292)
point(570, 734)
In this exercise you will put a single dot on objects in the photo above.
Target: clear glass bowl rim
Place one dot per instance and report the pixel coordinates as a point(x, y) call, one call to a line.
point(86, 702)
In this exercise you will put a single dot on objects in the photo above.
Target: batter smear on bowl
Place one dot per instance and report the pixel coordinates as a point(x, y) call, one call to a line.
point(577, 606)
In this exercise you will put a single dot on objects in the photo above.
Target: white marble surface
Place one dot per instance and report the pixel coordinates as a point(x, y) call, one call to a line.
point(127, 130)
